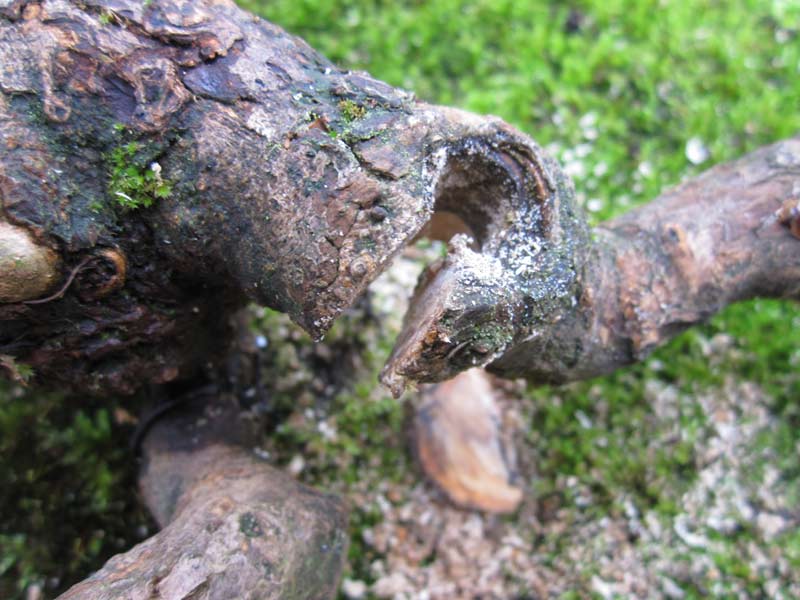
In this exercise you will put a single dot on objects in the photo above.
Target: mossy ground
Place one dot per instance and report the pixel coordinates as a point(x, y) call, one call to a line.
point(624, 93)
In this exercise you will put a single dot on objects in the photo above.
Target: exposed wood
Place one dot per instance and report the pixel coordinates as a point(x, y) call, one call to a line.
point(233, 526)
point(227, 161)
point(27, 269)
point(461, 445)
point(266, 173)
point(168, 161)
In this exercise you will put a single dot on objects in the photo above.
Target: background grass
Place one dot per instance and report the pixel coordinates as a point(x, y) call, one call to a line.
point(615, 89)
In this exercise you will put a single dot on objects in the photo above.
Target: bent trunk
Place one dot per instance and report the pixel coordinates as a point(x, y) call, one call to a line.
point(233, 526)
point(219, 159)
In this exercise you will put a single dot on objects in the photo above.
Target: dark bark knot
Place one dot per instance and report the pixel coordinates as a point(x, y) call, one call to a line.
point(789, 216)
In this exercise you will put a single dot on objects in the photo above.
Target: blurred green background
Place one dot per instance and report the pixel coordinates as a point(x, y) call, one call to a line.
point(632, 96)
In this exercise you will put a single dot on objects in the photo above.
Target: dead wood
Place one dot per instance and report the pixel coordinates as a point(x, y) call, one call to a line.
point(220, 159)
point(168, 161)
point(223, 160)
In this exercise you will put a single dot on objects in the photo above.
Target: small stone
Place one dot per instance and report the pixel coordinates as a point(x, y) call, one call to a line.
point(602, 588)
point(696, 151)
point(296, 465)
point(391, 586)
point(34, 592)
point(354, 589)
point(770, 525)
point(671, 589)
point(378, 214)
point(594, 205)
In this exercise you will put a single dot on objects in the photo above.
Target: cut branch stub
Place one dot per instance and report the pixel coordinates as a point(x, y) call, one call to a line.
point(584, 308)
point(226, 160)
point(515, 263)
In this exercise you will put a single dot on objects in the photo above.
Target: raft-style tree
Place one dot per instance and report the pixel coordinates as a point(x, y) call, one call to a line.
point(165, 162)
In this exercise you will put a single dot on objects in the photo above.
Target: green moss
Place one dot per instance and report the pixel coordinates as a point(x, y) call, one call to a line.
point(352, 111)
point(66, 499)
point(248, 525)
point(15, 370)
point(717, 71)
point(134, 182)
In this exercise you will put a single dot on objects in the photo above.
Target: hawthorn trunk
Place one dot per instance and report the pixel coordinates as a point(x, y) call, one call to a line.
point(165, 162)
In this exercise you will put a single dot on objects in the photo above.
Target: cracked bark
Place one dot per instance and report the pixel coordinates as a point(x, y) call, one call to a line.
point(291, 182)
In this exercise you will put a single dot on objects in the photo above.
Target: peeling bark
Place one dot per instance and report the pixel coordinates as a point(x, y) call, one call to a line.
point(233, 526)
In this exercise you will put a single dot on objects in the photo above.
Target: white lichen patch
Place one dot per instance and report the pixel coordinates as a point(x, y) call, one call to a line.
point(262, 123)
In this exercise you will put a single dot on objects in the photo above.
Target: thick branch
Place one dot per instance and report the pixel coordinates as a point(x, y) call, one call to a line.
point(234, 527)
point(267, 173)
point(555, 305)
point(723, 237)
point(224, 160)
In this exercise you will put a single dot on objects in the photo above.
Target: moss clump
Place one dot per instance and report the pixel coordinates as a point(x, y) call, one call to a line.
point(17, 371)
point(248, 525)
point(66, 499)
point(134, 182)
point(352, 111)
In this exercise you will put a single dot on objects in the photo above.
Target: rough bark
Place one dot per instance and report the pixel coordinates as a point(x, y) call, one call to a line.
point(728, 235)
point(220, 159)
point(233, 526)
point(166, 161)
point(224, 160)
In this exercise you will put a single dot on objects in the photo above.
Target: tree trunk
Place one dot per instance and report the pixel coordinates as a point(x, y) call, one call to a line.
point(164, 162)
point(220, 159)
point(175, 159)
point(233, 526)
